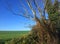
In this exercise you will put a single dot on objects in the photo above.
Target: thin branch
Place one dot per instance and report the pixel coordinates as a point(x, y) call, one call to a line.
point(26, 15)
point(26, 10)
point(40, 11)
point(33, 11)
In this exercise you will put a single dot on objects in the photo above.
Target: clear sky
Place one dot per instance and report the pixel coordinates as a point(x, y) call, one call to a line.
point(11, 22)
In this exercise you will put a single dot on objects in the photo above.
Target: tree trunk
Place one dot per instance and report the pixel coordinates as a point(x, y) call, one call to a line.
point(44, 36)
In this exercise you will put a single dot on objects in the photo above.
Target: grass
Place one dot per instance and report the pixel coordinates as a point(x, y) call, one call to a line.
point(12, 34)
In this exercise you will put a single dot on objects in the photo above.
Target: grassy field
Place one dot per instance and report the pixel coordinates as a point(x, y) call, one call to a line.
point(12, 34)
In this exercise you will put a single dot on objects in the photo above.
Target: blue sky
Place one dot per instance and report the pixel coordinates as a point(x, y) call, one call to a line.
point(11, 22)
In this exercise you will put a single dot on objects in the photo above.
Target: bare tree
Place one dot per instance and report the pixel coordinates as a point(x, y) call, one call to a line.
point(45, 28)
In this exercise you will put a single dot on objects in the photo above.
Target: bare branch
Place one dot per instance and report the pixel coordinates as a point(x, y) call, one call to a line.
point(40, 11)
point(26, 10)
point(42, 19)
point(26, 14)
point(33, 11)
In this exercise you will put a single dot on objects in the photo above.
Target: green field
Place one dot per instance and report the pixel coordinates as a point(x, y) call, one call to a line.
point(12, 34)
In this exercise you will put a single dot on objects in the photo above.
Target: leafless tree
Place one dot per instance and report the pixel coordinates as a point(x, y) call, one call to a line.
point(44, 27)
